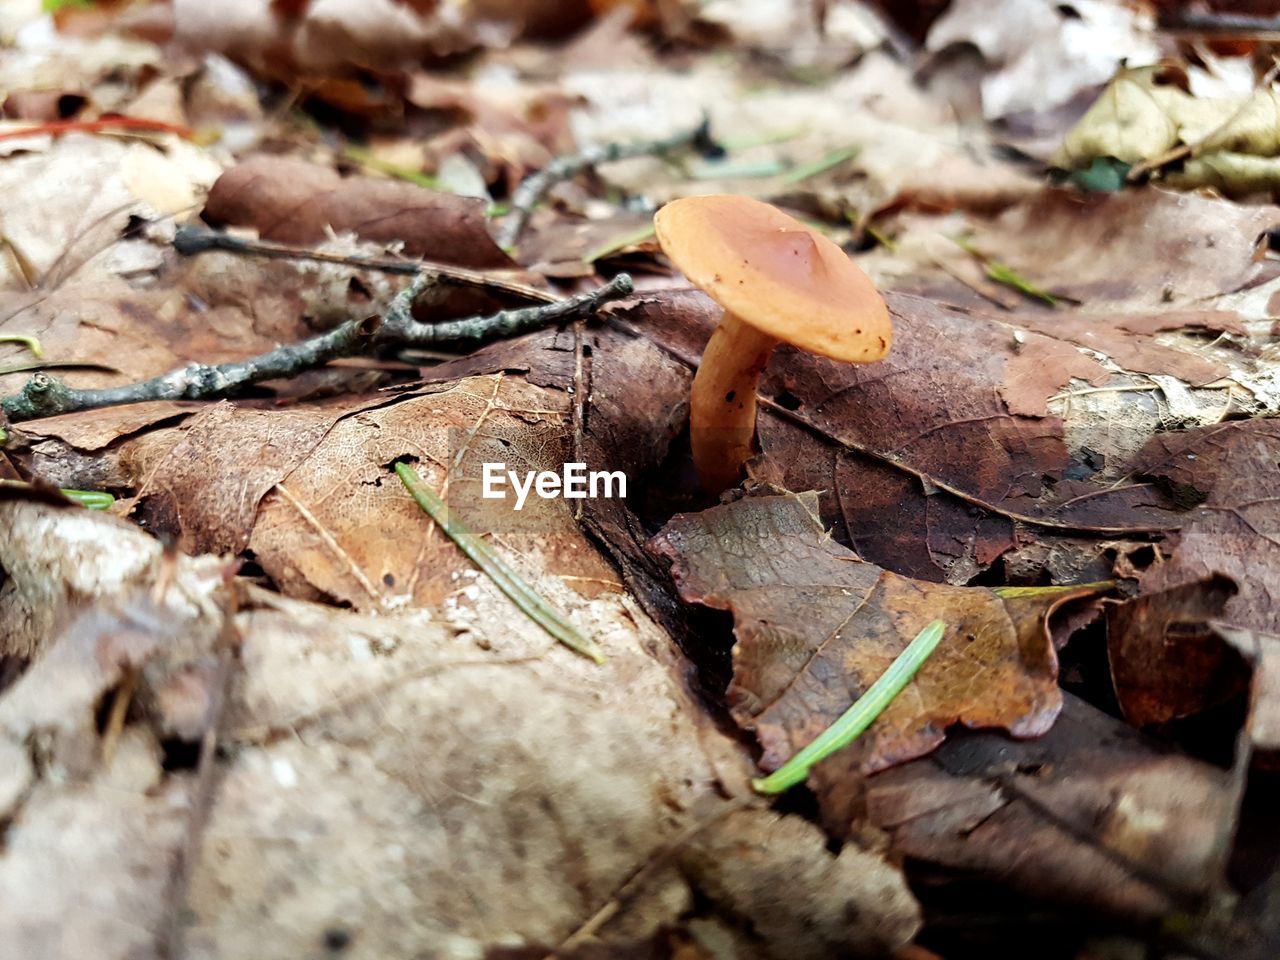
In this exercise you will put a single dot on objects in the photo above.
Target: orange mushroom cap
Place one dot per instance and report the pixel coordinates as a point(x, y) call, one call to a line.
point(774, 273)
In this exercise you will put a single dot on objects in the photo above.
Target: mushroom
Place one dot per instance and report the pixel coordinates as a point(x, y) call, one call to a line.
point(779, 282)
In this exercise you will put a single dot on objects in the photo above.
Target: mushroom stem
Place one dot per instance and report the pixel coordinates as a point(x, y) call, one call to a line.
point(722, 405)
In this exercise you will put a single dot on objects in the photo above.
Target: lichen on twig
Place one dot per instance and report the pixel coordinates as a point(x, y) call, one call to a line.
point(534, 187)
point(45, 396)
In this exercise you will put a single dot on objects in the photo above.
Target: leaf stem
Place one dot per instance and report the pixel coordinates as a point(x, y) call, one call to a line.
point(497, 569)
point(859, 716)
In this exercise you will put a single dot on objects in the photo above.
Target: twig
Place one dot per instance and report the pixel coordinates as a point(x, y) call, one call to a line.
point(97, 126)
point(533, 187)
point(46, 396)
point(191, 240)
point(1207, 23)
point(170, 936)
point(497, 569)
point(859, 716)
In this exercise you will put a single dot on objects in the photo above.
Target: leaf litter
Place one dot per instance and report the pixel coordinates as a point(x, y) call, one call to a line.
point(1078, 392)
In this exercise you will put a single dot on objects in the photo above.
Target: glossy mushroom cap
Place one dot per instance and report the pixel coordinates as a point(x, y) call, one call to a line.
point(774, 273)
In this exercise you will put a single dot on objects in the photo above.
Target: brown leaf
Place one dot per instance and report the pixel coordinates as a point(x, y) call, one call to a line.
point(182, 495)
point(364, 746)
point(815, 627)
point(905, 448)
point(1236, 530)
point(1166, 661)
point(1091, 815)
point(290, 201)
point(1149, 253)
point(1139, 249)
point(341, 523)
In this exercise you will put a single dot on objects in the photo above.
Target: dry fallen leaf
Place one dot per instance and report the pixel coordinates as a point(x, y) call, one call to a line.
point(300, 203)
point(1166, 659)
point(1148, 115)
point(399, 782)
point(1041, 54)
point(1090, 815)
point(1228, 472)
point(815, 626)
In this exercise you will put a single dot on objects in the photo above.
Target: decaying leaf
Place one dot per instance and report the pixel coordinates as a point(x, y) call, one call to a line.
point(1090, 815)
point(1262, 650)
point(396, 781)
point(258, 448)
point(1147, 115)
point(815, 626)
point(744, 860)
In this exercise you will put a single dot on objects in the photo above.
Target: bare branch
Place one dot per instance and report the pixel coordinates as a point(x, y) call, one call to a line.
point(192, 240)
point(46, 396)
point(533, 187)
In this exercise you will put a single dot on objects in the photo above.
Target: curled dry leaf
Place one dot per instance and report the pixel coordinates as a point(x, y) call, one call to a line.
point(815, 626)
point(1166, 659)
point(291, 201)
point(1231, 143)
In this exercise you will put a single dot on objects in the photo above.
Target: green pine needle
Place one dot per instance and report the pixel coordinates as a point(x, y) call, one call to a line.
point(507, 580)
point(91, 499)
point(859, 716)
point(821, 165)
point(31, 343)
